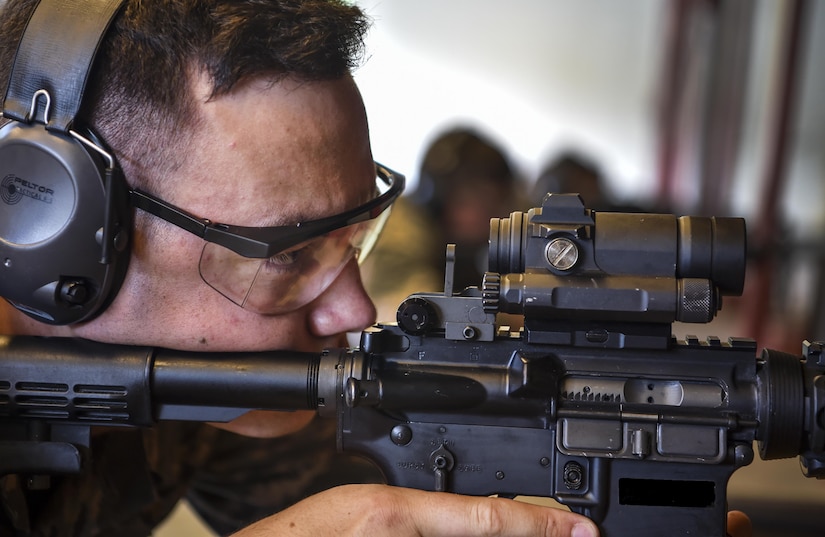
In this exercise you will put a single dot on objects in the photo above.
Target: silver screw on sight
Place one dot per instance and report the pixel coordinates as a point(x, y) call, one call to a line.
point(562, 253)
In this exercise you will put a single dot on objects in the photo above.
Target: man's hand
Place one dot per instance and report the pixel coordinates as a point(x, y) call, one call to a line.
point(380, 510)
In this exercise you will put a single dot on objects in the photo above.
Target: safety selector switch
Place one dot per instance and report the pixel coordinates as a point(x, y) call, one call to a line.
point(442, 462)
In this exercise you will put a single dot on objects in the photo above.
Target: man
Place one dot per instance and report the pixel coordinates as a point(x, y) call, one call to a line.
point(241, 112)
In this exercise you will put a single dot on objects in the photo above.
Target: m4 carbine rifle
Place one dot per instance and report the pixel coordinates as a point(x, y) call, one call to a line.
point(591, 401)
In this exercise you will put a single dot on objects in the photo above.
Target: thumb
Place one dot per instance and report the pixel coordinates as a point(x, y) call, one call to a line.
point(739, 525)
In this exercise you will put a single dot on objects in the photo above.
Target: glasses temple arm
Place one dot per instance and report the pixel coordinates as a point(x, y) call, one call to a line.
point(170, 213)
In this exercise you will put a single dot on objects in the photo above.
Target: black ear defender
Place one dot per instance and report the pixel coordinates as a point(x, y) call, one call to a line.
point(65, 217)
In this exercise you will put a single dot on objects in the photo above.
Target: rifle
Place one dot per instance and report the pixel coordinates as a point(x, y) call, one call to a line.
point(592, 402)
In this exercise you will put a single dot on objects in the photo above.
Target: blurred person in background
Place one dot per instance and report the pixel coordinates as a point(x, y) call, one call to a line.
point(465, 179)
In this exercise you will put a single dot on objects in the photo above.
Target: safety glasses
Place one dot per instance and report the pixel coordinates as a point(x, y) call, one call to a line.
point(273, 270)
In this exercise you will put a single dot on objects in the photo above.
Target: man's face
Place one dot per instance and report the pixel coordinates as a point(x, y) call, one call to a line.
point(269, 154)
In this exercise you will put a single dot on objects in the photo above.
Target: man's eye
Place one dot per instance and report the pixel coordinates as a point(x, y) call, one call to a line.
point(283, 260)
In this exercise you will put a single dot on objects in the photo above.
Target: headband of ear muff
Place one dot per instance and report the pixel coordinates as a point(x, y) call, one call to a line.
point(64, 213)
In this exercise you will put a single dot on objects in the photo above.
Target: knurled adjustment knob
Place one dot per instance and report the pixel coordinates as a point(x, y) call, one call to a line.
point(490, 291)
point(416, 316)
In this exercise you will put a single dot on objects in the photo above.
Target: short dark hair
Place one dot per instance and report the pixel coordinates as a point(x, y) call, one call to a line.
point(139, 97)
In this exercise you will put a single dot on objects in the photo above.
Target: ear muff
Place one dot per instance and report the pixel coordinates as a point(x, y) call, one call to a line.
point(64, 213)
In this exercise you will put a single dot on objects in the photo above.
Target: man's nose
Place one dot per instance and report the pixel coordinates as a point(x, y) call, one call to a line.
point(343, 307)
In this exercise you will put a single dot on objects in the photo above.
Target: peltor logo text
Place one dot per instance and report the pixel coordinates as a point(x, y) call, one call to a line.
point(14, 188)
